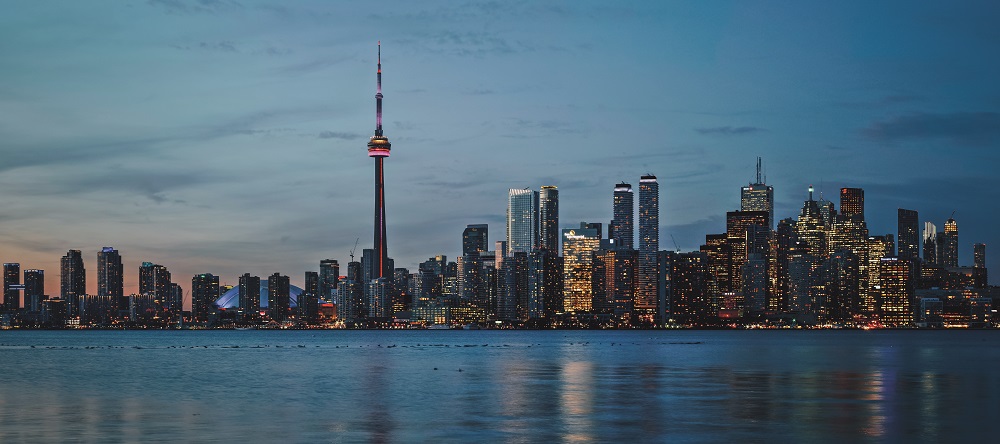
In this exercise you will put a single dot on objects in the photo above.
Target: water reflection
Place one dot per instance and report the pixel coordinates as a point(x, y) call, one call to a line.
point(565, 387)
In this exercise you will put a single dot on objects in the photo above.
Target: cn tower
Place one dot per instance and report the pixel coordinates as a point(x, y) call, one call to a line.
point(378, 147)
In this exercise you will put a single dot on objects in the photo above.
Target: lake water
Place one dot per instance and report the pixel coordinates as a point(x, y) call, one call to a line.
point(499, 386)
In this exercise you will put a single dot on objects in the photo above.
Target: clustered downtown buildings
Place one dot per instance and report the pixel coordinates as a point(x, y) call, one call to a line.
point(823, 268)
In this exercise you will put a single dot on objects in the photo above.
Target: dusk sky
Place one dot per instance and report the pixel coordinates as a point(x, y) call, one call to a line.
point(230, 136)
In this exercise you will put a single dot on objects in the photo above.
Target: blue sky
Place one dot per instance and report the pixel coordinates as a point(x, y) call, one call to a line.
point(229, 136)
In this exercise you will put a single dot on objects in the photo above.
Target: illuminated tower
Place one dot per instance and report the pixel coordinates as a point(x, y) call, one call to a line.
point(621, 226)
point(758, 196)
point(649, 241)
point(949, 250)
point(378, 147)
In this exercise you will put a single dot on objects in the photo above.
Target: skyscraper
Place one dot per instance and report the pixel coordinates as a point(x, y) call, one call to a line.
point(34, 289)
point(852, 204)
point(110, 277)
point(475, 238)
point(11, 286)
point(649, 242)
point(949, 250)
point(522, 220)
point(379, 147)
point(578, 247)
point(249, 294)
point(72, 280)
point(930, 244)
point(623, 209)
point(758, 196)
point(329, 276)
point(204, 291)
point(979, 255)
point(278, 297)
point(548, 219)
point(895, 291)
point(907, 235)
point(155, 280)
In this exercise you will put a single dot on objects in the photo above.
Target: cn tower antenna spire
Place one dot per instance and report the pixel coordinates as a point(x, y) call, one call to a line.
point(378, 94)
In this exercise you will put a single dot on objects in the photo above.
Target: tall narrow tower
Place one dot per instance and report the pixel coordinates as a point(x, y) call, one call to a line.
point(378, 147)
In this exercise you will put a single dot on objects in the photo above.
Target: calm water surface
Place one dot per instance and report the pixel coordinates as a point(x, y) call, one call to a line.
point(493, 386)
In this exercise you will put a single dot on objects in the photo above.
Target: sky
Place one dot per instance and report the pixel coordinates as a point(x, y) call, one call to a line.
point(229, 136)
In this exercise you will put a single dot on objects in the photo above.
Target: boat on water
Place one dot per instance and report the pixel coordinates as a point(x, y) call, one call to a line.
point(439, 327)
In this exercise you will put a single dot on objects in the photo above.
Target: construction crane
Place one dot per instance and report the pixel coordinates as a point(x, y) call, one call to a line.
point(675, 243)
point(355, 248)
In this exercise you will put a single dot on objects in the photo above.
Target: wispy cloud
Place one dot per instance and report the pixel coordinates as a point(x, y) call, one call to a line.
point(729, 130)
point(194, 6)
point(339, 135)
point(967, 128)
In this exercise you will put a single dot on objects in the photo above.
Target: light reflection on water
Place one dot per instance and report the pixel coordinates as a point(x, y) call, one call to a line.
point(558, 386)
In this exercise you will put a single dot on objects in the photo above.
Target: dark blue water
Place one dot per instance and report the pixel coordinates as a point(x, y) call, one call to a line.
point(493, 386)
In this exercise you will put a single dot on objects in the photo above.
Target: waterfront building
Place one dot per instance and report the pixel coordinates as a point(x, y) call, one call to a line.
point(110, 277)
point(34, 290)
point(578, 246)
point(614, 284)
point(204, 291)
point(621, 229)
point(11, 286)
point(895, 292)
point(278, 297)
point(649, 244)
point(545, 284)
point(72, 280)
point(249, 297)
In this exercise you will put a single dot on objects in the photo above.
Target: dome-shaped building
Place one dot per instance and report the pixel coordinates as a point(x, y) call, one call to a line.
point(231, 299)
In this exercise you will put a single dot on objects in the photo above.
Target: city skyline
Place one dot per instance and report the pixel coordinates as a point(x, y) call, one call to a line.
point(226, 152)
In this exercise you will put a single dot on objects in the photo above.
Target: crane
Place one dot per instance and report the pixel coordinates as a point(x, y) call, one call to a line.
point(675, 243)
point(355, 248)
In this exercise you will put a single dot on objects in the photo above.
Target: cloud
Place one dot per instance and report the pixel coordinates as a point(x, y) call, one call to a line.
point(730, 130)
point(966, 128)
point(194, 6)
point(338, 135)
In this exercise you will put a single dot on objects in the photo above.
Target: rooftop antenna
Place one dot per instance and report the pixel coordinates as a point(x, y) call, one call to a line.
point(758, 170)
point(355, 248)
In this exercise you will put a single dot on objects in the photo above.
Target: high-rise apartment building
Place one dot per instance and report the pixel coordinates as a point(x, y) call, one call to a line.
point(979, 255)
point(649, 243)
point(249, 294)
point(949, 250)
point(110, 277)
point(622, 229)
point(11, 286)
point(34, 289)
point(548, 219)
point(329, 276)
point(907, 235)
point(155, 280)
point(279, 297)
point(522, 220)
point(578, 247)
point(72, 280)
point(204, 291)
point(758, 196)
